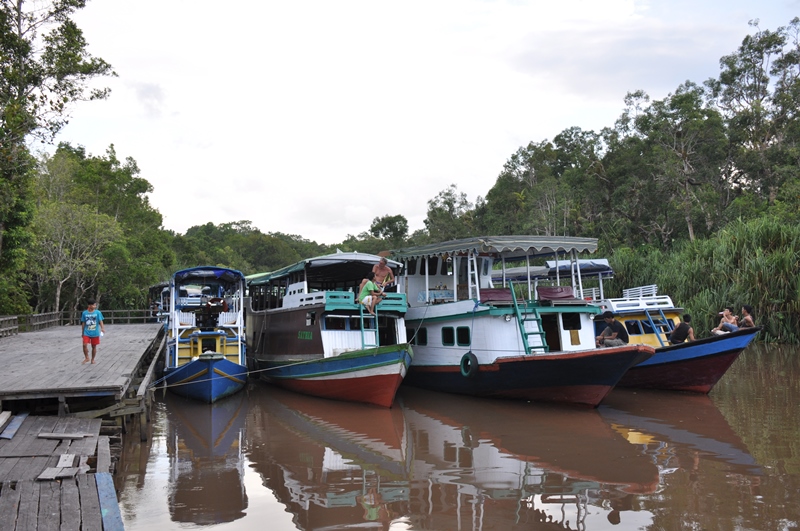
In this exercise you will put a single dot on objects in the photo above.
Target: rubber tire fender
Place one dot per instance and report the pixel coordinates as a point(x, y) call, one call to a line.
point(469, 365)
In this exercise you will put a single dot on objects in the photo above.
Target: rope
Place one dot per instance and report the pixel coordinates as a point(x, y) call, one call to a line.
point(245, 373)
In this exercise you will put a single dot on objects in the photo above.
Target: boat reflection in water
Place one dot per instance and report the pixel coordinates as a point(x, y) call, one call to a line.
point(676, 430)
point(438, 461)
point(331, 463)
point(204, 446)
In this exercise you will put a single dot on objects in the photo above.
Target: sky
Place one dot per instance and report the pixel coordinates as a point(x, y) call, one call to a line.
point(314, 117)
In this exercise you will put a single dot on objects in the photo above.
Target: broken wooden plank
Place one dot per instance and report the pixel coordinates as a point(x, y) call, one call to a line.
point(5, 416)
point(65, 460)
point(83, 464)
point(49, 474)
point(13, 426)
point(91, 519)
point(63, 435)
point(103, 454)
point(53, 472)
point(109, 506)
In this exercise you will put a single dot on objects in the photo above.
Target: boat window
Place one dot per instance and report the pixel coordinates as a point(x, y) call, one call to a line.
point(447, 266)
point(411, 267)
point(448, 336)
point(311, 318)
point(418, 336)
point(571, 321)
point(633, 327)
point(355, 323)
point(335, 322)
point(462, 336)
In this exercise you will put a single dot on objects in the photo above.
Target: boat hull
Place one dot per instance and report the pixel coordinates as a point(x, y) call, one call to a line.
point(695, 366)
point(207, 378)
point(581, 378)
point(370, 376)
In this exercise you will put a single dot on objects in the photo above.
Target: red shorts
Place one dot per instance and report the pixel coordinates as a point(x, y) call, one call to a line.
point(91, 340)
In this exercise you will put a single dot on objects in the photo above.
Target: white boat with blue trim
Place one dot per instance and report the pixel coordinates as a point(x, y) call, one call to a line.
point(475, 336)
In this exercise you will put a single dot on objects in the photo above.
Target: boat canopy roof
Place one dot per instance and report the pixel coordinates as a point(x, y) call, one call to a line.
point(588, 267)
point(205, 274)
point(597, 267)
point(336, 267)
point(158, 288)
point(510, 247)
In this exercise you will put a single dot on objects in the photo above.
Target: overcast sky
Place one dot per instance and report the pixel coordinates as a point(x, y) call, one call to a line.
point(313, 117)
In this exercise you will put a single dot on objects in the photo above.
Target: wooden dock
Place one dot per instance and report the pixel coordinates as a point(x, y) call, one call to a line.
point(55, 464)
point(55, 474)
point(45, 367)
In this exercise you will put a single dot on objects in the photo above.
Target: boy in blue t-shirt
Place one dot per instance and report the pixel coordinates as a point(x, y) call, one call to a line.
point(92, 321)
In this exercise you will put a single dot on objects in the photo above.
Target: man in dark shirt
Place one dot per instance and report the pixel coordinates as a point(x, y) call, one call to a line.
point(683, 332)
point(614, 334)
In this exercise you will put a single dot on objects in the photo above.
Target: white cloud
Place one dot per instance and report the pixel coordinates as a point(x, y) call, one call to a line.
point(315, 117)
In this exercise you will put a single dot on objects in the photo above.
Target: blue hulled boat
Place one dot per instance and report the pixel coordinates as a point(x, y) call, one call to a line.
point(206, 341)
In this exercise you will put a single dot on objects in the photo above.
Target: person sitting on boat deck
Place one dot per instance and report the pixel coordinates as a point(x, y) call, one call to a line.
point(614, 334)
point(383, 273)
point(370, 295)
point(683, 332)
point(728, 323)
point(747, 317)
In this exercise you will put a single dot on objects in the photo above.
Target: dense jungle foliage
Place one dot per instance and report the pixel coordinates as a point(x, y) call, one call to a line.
point(697, 192)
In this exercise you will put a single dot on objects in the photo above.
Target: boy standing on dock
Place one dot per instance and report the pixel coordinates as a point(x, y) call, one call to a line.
point(92, 321)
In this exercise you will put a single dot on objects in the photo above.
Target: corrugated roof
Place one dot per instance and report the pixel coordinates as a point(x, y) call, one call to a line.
point(206, 273)
point(329, 267)
point(509, 246)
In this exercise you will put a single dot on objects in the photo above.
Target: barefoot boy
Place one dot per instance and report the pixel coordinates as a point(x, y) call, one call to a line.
point(92, 321)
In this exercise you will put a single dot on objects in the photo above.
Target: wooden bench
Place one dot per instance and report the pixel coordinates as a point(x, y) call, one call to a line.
point(558, 295)
point(496, 296)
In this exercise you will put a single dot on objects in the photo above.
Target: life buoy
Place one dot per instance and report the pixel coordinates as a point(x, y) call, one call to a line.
point(469, 365)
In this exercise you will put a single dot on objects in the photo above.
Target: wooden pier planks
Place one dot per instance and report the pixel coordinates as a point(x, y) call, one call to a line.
point(47, 363)
point(28, 455)
point(72, 500)
point(87, 503)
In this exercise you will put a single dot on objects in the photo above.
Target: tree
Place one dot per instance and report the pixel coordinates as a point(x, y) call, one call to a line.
point(142, 255)
point(392, 229)
point(70, 241)
point(762, 122)
point(450, 215)
point(44, 67)
point(685, 151)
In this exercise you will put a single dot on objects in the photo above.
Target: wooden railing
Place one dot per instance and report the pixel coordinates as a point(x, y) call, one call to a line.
point(38, 321)
point(9, 325)
point(14, 324)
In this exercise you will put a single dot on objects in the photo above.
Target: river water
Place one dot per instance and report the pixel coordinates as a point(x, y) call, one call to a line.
point(270, 459)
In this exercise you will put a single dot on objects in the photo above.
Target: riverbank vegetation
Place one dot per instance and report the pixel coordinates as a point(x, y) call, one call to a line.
point(697, 192)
